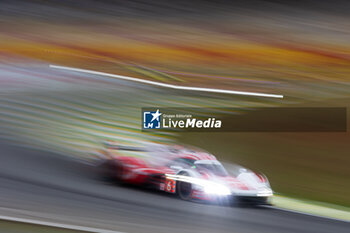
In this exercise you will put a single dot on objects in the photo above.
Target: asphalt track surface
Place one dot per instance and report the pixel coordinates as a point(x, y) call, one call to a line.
point(38, 184)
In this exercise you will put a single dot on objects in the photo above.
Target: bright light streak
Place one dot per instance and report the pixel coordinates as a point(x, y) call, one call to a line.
point(265, 193)
point(222, 91)
point(217, 189)
point(209, 187)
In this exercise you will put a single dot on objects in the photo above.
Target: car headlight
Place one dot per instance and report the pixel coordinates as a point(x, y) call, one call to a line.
point(216, 189)
point(209, 187)
point(265, 192)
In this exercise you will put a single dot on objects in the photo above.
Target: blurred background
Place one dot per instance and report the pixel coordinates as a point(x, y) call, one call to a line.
point(299, 49)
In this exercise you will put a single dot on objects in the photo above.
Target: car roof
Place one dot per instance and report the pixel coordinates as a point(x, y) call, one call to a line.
point(207, 161)
point(196, 155)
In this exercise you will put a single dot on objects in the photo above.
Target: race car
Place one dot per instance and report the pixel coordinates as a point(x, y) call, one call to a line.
point(189, 173)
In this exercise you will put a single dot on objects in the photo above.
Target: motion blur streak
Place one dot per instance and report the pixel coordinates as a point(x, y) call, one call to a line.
point(57, 189)
point(64, 226)
point(167, 85)
point(53, 123)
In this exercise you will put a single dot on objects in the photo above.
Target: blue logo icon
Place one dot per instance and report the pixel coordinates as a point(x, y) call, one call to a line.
point(151, 120)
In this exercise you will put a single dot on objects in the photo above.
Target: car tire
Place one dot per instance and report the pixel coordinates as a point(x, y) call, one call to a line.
point(111, 171)
point(184, 189)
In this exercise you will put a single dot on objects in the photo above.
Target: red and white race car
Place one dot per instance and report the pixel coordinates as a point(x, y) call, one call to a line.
point(190, 173)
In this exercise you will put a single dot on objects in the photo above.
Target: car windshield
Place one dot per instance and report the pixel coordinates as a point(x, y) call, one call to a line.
point(183, 162)
point(213, 167)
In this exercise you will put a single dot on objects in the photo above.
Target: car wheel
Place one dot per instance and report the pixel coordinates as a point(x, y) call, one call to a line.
point(184, 189)
point(118, 173)
point(110, 171)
